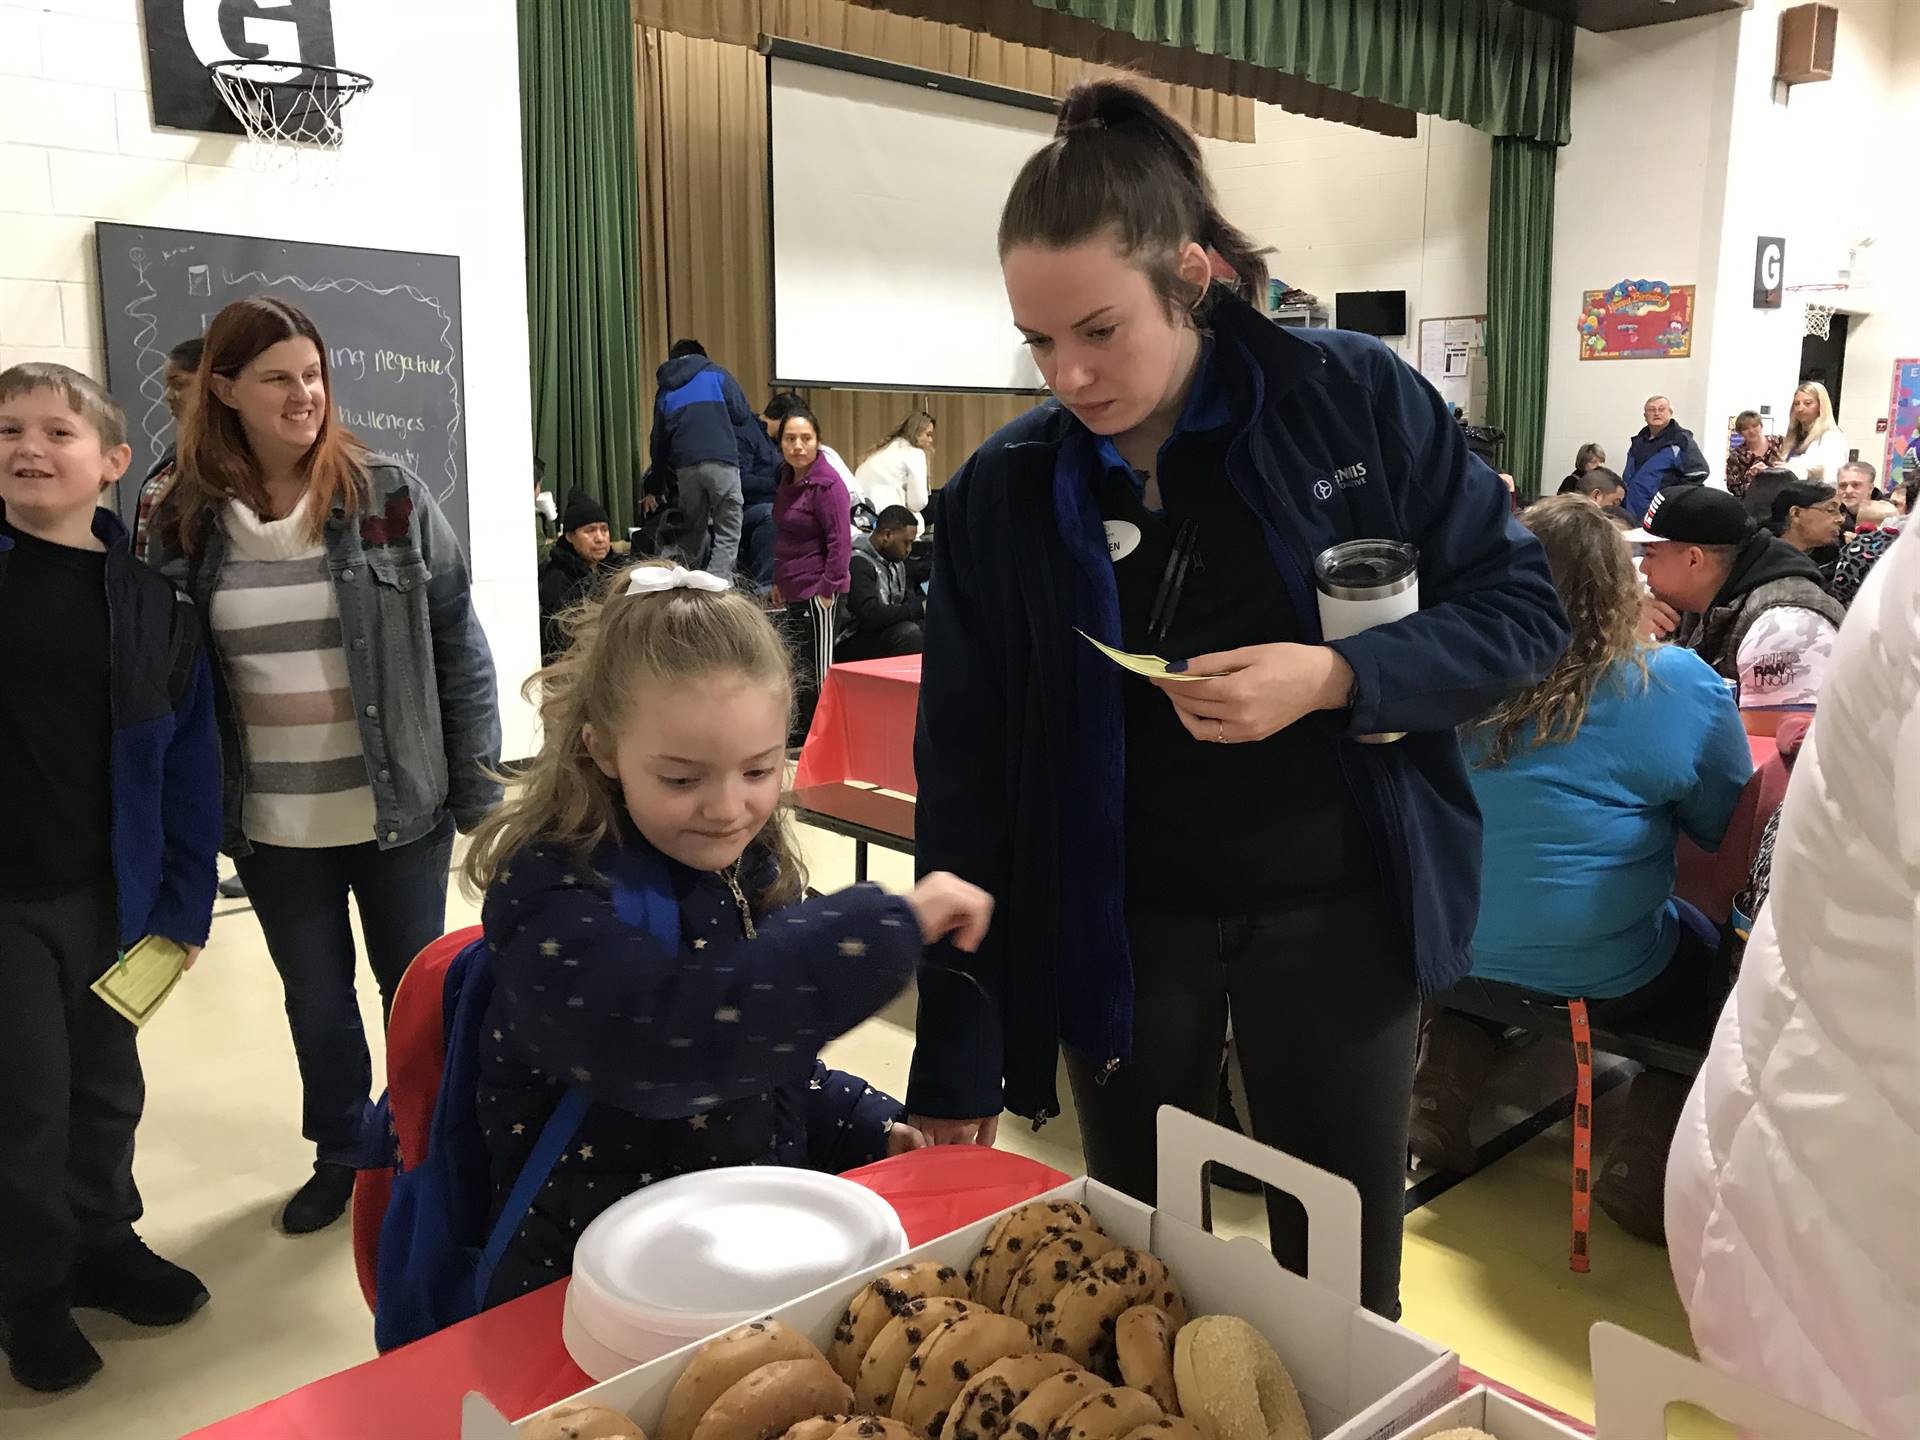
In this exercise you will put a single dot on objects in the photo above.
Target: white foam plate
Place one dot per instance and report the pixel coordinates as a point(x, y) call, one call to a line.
point(699, 1253)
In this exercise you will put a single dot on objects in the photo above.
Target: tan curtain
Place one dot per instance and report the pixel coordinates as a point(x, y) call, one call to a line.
point(975, 51)
point(701, 110)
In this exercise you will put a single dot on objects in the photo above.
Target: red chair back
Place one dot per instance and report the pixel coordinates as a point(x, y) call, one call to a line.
point(1710, 879)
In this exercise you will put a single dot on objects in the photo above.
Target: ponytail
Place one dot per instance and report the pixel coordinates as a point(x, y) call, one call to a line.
point(1120, 165)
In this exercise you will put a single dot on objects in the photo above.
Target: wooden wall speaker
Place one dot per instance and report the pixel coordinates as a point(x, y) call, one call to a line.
point(1806, 44)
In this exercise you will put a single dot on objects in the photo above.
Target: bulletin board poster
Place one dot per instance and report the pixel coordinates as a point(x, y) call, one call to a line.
point(1637, 320)
point(1903, 420)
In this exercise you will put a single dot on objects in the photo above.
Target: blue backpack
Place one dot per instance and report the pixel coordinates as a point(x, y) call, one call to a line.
point(437, 1253)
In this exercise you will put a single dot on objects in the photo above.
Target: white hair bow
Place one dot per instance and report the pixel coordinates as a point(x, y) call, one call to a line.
point(652, 579)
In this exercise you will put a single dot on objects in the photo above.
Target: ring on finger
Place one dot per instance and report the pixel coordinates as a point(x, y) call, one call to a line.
point(1220, 735)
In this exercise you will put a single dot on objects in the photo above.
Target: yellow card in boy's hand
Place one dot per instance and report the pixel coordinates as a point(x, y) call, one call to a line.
point(139, 981)
point(1152, 666)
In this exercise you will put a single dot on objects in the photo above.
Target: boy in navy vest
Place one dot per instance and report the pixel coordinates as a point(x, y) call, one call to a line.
point(110, 769)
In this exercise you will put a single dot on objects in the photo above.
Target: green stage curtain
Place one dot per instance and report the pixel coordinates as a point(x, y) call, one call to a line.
point(1492, 64)
point(583, 208)
point(1520, 302)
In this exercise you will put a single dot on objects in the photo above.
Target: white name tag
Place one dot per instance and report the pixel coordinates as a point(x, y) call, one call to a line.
point(1123, 538)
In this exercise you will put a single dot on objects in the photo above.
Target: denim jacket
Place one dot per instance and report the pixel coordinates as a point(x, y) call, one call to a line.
point(418, 666)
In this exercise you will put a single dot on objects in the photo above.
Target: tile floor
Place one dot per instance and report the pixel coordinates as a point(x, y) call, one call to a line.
point(220, 1149)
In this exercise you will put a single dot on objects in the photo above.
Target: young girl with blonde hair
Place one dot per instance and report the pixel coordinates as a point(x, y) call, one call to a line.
point(660, 775)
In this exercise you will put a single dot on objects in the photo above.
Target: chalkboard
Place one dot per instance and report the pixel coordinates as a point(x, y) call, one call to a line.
point(391, 320)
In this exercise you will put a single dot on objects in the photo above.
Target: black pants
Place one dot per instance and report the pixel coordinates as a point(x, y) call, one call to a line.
point(300, 897)
point(1325, 1015)
point(70, 1093)
point(901, 639)
point(1681, 1004)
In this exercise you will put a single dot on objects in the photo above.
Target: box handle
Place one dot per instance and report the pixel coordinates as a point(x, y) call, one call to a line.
point(1634, 1380)
point(1188, 1143)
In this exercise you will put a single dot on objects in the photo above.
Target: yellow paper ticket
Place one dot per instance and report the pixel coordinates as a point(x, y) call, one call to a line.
point(1152, 666)
point(137, 983)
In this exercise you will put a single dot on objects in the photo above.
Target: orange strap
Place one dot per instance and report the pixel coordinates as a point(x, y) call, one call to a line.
point(1582, 1133)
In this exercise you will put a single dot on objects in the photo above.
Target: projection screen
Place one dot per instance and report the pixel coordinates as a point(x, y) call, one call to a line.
point(886, 199)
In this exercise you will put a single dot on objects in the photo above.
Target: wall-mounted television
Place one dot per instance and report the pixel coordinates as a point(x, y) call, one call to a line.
point(1371, 312)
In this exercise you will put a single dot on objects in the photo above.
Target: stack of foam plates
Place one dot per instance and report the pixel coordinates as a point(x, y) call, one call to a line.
point(682, 1259)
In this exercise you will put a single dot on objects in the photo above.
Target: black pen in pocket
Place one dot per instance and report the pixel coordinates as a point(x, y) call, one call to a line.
point(1173, 579)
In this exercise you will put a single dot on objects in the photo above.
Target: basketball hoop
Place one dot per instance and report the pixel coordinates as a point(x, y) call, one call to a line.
point(291, 113)
point(1817, 306)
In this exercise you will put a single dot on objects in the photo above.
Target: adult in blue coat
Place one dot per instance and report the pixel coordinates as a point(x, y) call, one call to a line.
point(1662, 454)
point(1170, 855)
point(699, 417)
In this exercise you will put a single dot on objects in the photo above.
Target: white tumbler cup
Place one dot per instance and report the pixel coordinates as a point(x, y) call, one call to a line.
point(1364, 583)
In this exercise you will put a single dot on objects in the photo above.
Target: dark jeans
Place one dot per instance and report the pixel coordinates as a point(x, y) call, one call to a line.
point(300, 897)
point(756, 544)
point(1681, 1004)
point(901, 639)
point(1325, 1014)
point(70, 1092)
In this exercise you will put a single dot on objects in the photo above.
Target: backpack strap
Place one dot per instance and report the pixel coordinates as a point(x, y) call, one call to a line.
point(643, 898)
point(555, 1136)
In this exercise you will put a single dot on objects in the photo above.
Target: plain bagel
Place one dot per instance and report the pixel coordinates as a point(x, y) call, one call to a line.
point(578, 1421)
point(1232, 1384)
point(773, 1399)
point(721, 1362)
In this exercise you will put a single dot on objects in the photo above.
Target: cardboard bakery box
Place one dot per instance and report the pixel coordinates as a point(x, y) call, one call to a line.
point(1635, 1380)
point(1360, 1377)
point(1488, 1410)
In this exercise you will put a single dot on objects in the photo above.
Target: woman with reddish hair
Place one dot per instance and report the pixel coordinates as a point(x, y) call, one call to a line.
point(354, 688)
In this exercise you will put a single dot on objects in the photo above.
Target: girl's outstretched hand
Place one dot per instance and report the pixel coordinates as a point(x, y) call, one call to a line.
point(949, 908)
point(904, 1137)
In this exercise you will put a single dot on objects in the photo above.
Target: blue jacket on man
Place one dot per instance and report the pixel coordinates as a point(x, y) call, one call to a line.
point(164, 757)
point(1020, 749)
point(1656, 461)
point(698, 413)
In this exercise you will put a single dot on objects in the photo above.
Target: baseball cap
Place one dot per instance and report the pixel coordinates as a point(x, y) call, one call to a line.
point(1694, 515)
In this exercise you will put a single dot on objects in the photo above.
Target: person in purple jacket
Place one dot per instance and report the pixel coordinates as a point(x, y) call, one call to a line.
point(812, 547)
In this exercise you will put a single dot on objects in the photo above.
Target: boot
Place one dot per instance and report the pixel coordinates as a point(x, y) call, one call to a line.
point(1456, 1054)
point(45, 1349)
point(319, 1202)
point(1630, 1184)
point(132, 1282)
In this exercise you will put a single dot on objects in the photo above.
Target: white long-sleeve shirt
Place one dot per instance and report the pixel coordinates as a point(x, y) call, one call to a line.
point(895, 474)
point(1822, 459)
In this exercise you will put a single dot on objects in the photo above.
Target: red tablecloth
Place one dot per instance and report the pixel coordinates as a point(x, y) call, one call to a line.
point(513, 1354)
point(863, 726)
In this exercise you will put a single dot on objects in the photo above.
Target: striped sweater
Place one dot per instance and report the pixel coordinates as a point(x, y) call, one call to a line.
point(277, 624)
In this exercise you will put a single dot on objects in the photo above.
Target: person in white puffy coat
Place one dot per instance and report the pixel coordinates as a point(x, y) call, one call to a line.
point(1793, 1188)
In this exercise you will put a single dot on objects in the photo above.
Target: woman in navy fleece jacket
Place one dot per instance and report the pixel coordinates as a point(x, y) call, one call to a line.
point(1212, 852)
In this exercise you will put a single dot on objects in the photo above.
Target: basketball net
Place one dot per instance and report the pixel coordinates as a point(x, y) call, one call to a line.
point(291, 113)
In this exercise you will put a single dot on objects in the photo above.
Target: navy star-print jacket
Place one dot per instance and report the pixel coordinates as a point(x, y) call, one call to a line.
point(695, 1059)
